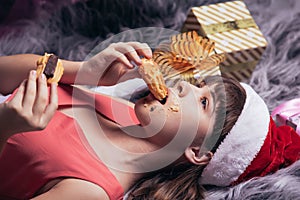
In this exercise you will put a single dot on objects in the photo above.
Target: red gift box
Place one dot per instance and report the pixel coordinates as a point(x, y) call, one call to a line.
point(288, 113)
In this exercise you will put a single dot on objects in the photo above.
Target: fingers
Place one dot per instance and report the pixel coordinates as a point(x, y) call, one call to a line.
point(132, 51)
point(115, 61)
point(18, 98)
point(30, 93)
point(53, 104)
point(123, 59)
point(44, 105)
point(142, 48)
point(41, 99)
point(32, 102)
point(131, 54)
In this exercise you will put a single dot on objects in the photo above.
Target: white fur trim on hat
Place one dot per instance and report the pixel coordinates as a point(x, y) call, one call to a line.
point(242, 143)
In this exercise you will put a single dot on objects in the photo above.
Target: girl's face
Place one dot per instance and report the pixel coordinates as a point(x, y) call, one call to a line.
point(187, 116)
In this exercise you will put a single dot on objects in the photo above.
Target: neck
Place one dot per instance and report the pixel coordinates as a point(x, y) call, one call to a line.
point(126, 151)
point(130, 149)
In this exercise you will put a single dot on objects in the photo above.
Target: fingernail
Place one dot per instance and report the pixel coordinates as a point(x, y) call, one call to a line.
point(33, 73)
point(149, 53)
point(43, 77)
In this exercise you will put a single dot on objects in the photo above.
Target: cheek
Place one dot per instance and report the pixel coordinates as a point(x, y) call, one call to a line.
point(150, 113)
point(142, 114)
point(206, 134)
point(172, 122)
point(191, 120)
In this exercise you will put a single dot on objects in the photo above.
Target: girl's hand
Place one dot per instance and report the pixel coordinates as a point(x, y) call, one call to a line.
point(31, 108)
point(114, 64)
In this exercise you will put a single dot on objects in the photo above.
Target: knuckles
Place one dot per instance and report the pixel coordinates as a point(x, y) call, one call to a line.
point(38, 124)
point(26, 117)
point(43, 100)
point(35, 123)
point(12, 108)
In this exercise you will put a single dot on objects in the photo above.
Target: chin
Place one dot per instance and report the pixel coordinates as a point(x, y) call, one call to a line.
point(141, 112)
point(150, 111)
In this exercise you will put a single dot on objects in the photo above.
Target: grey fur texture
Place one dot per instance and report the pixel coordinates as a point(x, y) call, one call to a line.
point(73, 31)
point(283, 185)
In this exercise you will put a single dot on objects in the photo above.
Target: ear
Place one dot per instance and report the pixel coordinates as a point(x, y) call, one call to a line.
point(194, 156)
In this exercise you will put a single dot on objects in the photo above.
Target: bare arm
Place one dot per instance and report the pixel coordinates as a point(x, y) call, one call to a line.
point(74, 189)
point(14, 69)
point(106, 68)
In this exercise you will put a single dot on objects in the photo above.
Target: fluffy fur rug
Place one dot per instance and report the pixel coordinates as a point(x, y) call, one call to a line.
point(283, 185)
point(74, 30)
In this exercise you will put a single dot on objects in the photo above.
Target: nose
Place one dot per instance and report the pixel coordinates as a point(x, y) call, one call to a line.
point(183, 88)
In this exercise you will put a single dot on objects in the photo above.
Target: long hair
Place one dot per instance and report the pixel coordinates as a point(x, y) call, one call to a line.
point(181, 182)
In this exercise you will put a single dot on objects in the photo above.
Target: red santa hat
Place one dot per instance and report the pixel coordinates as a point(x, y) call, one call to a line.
point(255, 146)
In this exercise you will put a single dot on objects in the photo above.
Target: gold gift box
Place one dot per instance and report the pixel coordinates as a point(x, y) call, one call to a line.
point(235, 33)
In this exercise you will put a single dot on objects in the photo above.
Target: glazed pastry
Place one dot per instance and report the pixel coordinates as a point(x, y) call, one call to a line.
point(151, 74)
point(51, 66)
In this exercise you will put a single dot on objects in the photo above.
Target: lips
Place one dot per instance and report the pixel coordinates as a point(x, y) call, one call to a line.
point(171, 101)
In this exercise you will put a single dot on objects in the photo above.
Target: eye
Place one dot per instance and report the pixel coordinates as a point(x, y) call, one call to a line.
point(204, 102)
point(202, 84)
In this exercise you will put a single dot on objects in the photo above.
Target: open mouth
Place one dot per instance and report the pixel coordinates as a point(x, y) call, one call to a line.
point(164, 100)
point(145, 93)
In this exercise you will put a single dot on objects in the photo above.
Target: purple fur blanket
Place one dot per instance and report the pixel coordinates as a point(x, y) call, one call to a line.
point(73, 30)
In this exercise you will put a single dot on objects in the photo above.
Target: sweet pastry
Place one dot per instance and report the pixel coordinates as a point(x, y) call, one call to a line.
point(151, 74)
point(51, 66)
point(185, 57)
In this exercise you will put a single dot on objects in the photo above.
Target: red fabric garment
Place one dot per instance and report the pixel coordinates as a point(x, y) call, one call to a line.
point(115, 110)
point(281, 148)
point(30, 160)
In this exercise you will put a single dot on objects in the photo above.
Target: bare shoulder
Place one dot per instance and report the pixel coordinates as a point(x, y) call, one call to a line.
point(71, 188)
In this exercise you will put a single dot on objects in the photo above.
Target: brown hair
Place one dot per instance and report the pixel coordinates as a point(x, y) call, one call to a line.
point(181, 182)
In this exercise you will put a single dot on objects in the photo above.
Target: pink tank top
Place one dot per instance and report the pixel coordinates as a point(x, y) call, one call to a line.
point(30, 160)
